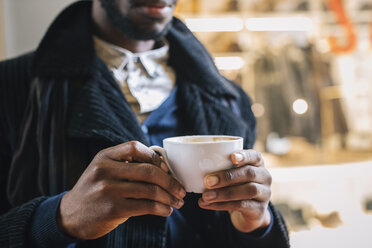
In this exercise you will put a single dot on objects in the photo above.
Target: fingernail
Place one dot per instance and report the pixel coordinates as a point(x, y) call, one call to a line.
point(212, 181)
point(180, 203)
point(203, 202)
point(210, 195)
point(182, 193)
point(177, 203)
point(237, 157)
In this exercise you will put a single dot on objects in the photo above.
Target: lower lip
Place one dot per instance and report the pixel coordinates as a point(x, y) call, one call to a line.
point(155, 11)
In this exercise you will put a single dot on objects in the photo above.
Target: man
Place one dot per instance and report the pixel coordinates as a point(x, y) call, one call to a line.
point(109, 79)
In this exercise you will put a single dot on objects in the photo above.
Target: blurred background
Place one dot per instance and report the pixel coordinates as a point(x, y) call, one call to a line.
point(307, 65)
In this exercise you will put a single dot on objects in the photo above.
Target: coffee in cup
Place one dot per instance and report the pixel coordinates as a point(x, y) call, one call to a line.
point(191, 158)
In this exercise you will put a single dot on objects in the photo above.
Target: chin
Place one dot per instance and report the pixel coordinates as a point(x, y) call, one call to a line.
point(144, 32)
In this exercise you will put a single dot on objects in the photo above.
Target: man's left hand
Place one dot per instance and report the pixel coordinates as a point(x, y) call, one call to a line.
point(244, 191)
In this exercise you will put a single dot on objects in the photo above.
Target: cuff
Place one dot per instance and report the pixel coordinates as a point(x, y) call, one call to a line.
point(259, 234)
point(44, 230)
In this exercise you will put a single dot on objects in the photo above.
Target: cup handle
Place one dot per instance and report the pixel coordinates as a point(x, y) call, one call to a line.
point(163, 153)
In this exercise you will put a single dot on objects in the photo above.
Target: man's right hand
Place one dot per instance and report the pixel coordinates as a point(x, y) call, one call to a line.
point(121, 182)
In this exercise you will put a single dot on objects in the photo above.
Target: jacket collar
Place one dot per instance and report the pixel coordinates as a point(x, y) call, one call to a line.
point(67, 51)
point(191, 61)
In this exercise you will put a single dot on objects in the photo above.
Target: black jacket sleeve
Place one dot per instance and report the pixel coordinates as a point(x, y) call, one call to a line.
point(15, 223)
point(14, 90)
point(274, 236)
point(279, 236)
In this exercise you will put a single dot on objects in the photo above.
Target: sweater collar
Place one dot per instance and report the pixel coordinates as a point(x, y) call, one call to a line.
point(73, 54)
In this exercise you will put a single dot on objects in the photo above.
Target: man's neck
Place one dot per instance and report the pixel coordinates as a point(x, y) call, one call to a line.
point(105, 31)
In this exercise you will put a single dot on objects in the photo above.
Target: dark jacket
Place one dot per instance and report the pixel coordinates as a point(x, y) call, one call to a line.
point(60, 105)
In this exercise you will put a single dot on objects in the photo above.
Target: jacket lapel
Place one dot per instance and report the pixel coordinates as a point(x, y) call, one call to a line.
point(206, 114)
point(100, 110)
point(202, 89)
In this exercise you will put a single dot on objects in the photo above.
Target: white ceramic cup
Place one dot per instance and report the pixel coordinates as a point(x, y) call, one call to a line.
point(191, 158)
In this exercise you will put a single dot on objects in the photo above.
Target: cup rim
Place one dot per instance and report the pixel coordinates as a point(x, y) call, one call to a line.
point(178, 139)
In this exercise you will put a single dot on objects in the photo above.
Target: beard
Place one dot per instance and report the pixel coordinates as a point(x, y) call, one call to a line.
point(126, 26)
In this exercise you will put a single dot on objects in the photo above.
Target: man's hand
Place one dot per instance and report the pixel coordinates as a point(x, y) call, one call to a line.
point(243, 191)
point(121, 182)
